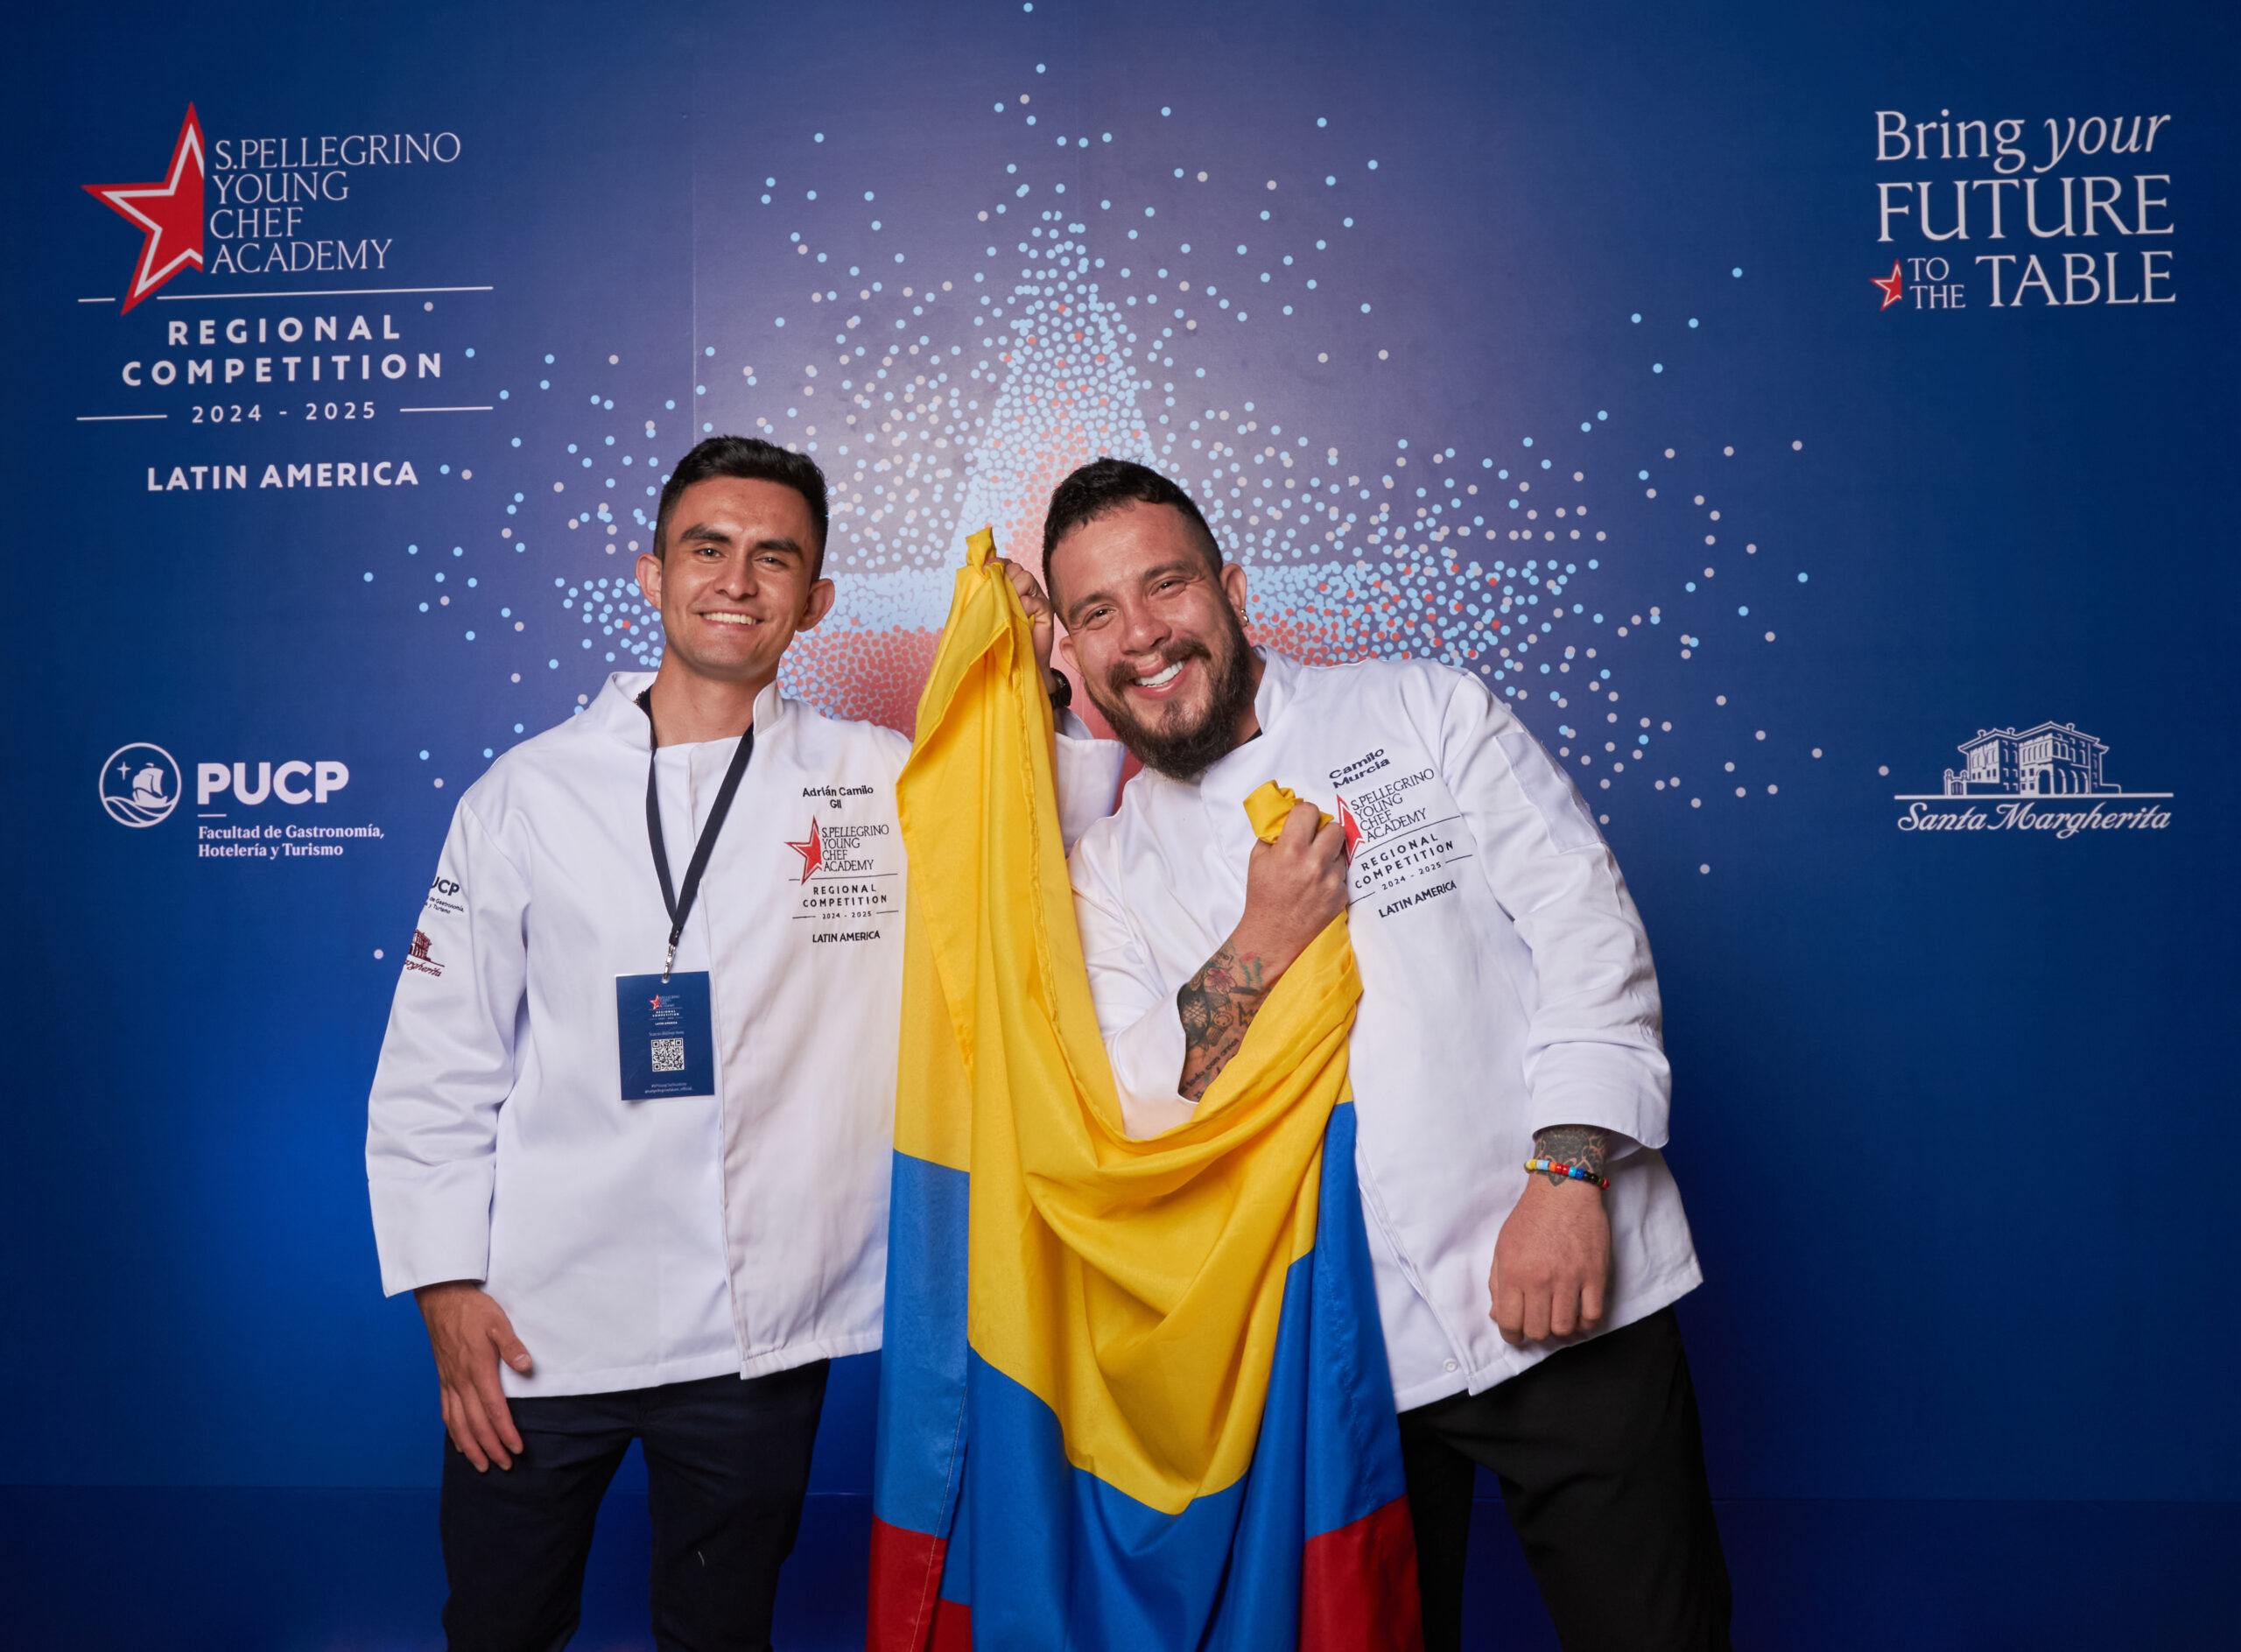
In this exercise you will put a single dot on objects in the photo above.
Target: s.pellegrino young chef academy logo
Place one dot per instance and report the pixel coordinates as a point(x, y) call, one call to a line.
point(2048, 778)
point(168, 213)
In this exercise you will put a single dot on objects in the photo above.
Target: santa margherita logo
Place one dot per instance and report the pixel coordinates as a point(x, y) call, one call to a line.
point(168, 213)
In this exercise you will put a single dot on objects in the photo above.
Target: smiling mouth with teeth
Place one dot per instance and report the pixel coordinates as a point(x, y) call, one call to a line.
point(731, 619)
point(1163, 678)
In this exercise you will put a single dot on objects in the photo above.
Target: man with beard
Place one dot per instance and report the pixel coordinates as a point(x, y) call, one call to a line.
point(1509, 1079)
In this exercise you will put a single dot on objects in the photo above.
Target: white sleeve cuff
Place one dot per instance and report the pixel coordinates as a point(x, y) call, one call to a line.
point(432, 1227)
point(1146, 1067)
point(1087, 771)
point(1605, 1087)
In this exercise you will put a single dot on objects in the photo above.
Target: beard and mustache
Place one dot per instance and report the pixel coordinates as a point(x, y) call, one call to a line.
point(1186, 750)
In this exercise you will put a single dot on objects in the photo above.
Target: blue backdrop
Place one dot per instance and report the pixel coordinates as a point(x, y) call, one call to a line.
point(1860, 380)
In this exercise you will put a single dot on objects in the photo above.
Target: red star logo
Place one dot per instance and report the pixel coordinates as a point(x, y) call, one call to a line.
point(1350, 827)
point(813, 852)
point(1891, 287)
point(169, 214)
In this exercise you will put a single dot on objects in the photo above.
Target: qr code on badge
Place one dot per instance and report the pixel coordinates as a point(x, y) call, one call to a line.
point(669, 1055)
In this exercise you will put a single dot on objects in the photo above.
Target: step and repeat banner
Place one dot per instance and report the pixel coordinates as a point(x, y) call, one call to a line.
point(1817, 423)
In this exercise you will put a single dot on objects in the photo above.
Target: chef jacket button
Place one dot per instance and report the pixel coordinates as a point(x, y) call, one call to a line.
point(1450, 1365)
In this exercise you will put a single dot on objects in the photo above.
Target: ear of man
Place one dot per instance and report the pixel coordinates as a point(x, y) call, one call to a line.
point(1231, 575)
point(816, 602)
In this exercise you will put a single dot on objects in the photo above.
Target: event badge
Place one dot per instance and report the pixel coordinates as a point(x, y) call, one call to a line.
point(664, 1033)
point(667, 1039)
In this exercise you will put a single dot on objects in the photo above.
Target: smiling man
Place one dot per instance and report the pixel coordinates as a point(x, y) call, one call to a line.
point(1510, 1084)
point(629, 1140)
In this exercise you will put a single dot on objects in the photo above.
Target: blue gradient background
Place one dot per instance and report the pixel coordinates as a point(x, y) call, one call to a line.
point(1951, 1112)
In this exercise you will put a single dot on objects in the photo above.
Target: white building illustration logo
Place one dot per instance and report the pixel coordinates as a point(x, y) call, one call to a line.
point(2032, 779)
point(139, 784)
point(2054, 760)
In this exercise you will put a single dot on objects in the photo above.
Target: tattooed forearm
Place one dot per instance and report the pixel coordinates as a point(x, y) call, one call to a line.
point(1218, 1005)
point(1577, 1144)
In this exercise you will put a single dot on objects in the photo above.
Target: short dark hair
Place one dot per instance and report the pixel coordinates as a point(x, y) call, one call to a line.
point(749, 459)
point(1105, 485)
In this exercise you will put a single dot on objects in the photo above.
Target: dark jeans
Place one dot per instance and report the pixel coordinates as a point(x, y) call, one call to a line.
point(1602, 1467)
point(727, 1466)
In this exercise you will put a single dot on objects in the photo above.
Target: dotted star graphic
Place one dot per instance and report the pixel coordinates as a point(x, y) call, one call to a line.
point(1891, 286)
point(813, 852)
point(169, 214)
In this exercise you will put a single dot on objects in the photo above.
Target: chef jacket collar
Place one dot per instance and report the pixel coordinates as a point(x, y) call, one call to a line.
point(616, 710)
point(1279, 682)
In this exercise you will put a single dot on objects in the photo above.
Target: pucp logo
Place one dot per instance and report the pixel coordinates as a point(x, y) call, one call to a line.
point(2017, 772)
point(168, 215)
point(142, 785)
point(214, 780)
point(139, 784)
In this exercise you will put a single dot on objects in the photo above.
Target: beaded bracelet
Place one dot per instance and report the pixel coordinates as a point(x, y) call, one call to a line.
point(1576, 1172)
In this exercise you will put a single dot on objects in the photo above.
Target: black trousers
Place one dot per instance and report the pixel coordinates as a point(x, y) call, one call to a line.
point(1602, 1467)
point(727, 1467)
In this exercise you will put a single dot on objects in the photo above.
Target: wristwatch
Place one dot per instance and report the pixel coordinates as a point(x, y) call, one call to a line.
point(1062, 692)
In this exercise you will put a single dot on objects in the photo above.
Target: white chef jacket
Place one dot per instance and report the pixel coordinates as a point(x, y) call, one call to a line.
point(1506, 983)
point(638, 1243)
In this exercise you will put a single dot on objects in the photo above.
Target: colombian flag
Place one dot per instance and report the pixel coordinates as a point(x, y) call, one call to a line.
point(1134, 1394)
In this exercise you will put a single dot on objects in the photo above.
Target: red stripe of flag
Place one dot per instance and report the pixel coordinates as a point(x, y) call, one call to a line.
point(1358, 1586)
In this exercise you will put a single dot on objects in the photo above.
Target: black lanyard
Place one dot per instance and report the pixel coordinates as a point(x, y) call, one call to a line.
point(680, 902)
